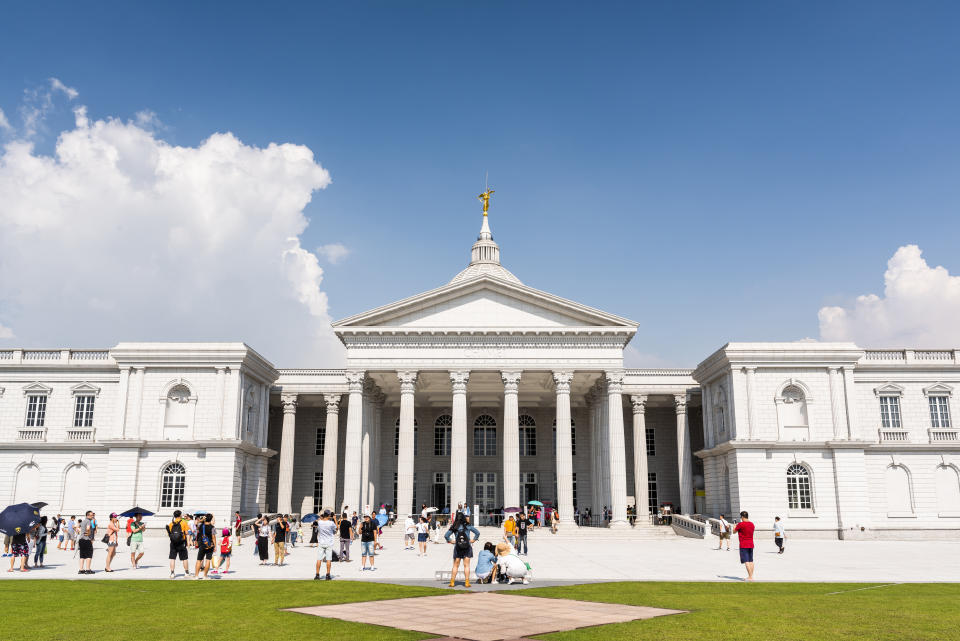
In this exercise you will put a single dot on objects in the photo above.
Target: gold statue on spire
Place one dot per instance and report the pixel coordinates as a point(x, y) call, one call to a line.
point(485, 198)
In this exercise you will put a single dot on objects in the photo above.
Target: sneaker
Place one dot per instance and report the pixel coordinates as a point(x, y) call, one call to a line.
point(526, 581)
point(172, 575)
point(316, 577)
point(327, 578)
point(373, 569)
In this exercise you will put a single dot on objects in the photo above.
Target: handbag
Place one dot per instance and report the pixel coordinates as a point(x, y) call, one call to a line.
point(128, 539)
point(105, 539)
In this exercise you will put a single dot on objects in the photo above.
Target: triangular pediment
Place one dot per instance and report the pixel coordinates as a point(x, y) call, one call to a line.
point(938, 389)
point(37, 388)
point(86, 388)
point(889, 389)
point(484, 302)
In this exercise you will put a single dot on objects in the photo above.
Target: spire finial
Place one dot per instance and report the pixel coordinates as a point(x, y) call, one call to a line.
point(485, 198)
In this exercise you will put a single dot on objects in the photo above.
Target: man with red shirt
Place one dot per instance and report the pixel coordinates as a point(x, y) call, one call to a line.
point(744, 530)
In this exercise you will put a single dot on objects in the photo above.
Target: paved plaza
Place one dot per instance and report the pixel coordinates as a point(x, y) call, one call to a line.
point(595, 555)
point(457, 615)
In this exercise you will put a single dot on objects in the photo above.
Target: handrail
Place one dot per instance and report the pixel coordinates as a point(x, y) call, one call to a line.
point(687, 526)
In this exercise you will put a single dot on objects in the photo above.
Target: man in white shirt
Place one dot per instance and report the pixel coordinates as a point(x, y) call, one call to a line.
point(326, 534)
point(778, 534)
point(409, 533)
point(725, 529)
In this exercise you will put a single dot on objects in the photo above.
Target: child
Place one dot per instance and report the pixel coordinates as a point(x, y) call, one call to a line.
point(422, 536)
point(226, 548)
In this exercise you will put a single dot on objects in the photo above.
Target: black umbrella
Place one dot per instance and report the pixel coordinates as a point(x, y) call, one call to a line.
point(135, 511)
point(19, 518)
point(39, 504)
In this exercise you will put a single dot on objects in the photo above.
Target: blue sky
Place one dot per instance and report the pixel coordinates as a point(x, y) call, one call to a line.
point(713, 171)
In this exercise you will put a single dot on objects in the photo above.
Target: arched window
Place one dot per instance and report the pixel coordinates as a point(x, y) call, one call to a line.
point(396, 438)
point(573, 437)
point(799, 491)
point(251, 408)
point(948, 491)
point(441, 435)
point(485, 436)
point(75, 482)
point(899, 496)
point(792, 412)
point(179, 404)
point(173, 480)
point(528, 435)
point(27, 484)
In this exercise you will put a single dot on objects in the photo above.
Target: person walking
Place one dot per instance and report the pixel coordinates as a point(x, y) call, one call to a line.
point(326, 533)
point(237, 526)
point(88, 530)
point(313, 534)
point(70, 533)
point(279, 540)
point(263, 536)
point(113, 539)
point(40, 548)
point(226, 551)
point(422, 536)
point(409, 532)
point(523, 524)
point(20, 549)
point(206, 544)
point(294, 529)
point(744, 530)
point(459, 537)
point(368, 542)
point(510, 531)
point(137, 528)
point(178, 532)
point(778, 534)
point(725, 529)
point(346, 537)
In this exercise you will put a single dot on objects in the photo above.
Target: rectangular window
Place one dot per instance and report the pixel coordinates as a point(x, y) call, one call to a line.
point(36, 410)
point(441, 441)
point(890, 412)
point(321, 440)
point(652, 501)
point(651, 442)
point(83, 411)
point(528, 441)
point(484, 441)
point(574, 490)
point(939, 411)
point(485, 490)
point(317, 491)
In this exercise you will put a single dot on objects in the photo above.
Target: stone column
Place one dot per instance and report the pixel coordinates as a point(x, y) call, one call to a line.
point(511, 439)
point(405, 448)
point(851, 397)
point(354, 442)
point(603, 407)
point(285, 479)
point(331, 437)
point(837, 411)
point(564, 454)
point(752, 427)
point(594, 452)
point(375, 475)
point(640, 469)
point(220, 392)
point(709, 439)
point(458, 440)
point(684, 462)
point(616, 450)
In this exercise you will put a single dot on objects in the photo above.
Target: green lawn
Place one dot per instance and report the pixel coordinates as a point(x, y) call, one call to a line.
point(773, 611)
point(240, 610)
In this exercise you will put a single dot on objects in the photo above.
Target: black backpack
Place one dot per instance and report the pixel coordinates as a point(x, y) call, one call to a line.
point(175, 532)
point(462, 540)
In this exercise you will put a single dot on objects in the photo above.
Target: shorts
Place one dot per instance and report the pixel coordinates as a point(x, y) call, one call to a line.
point(366, 548)
point(724, 535)
point(225, 555)
point(422, 537)
point(204, 555)
point(71, 535)
point(112, 545)
point(136, 547)
point(86, 548)
point(746, 555)
point(20, 550)
point(178, 551)
point(462, 554)
point(324, 553)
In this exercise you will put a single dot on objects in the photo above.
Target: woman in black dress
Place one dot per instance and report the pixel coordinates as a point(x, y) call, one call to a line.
point(313, 534)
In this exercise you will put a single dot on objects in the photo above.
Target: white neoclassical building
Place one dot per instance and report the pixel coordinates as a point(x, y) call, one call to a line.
point(489, 392)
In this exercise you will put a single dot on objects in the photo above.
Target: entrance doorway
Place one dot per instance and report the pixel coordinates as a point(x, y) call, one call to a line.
point(441, 490)
point(529, 489)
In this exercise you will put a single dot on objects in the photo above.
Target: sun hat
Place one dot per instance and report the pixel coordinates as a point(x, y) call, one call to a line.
point(113, 515)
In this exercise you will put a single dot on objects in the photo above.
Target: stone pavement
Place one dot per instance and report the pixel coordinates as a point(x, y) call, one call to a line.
point(468, 616)
point(572, 559)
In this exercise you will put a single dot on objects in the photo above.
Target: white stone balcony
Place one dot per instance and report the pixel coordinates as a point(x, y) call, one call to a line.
point(894, 435)
point(80, 434)
point(32, 434)
point(943, 435)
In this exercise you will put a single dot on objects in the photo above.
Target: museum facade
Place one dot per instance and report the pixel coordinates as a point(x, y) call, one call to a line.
point(488, 392)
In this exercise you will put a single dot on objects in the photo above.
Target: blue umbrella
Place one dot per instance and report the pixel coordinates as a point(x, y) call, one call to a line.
point(382, 519)
point(196, 512)
point(19, 518)
point(310, 518)
point(537, 503)
point(135, 511)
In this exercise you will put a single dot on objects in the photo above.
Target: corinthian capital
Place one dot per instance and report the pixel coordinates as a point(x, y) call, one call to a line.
point(289, 403)
point(408, 381)
point(459, 381)
point(511, 382)
point(333, 403)
point(561, 379)
point(680, 402)
point(614, 381)
point(355, 381)
point(639, 403)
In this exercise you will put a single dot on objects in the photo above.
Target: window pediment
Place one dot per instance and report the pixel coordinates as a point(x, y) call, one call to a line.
point(37, 388)
point(86, 389)
point(889, 389)
point(938, 389)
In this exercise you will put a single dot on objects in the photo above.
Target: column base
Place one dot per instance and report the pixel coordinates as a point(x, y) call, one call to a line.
point(619, 525)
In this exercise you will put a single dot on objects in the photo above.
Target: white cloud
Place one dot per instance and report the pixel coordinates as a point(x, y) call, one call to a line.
point(5, 332)
point(4, 123)
point(333, 253)
point(920, 307)
point(56, 85)
point(121, 236)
